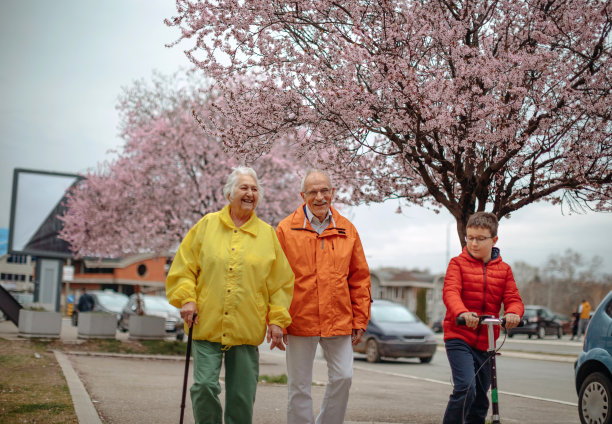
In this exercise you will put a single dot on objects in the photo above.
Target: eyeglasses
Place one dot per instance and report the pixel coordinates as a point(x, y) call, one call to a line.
point(478, 239)
point(313, 193)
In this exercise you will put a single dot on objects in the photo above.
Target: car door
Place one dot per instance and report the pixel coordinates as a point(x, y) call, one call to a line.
point(546, 319)
point(607, 322)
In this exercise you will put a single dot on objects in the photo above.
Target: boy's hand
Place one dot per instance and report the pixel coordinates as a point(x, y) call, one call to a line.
point(471, 319)
point(512, 320)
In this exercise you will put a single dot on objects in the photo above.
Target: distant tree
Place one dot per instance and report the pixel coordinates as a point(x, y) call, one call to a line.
point(452, 104)
point(168, 175)
point(524, 273)
point(564, 280)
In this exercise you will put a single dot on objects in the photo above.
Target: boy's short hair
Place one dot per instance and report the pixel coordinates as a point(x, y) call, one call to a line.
point(483, 220)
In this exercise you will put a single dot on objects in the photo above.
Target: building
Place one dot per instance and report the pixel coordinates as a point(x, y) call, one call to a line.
point(123, 275)
point(402, 286)
point(17, 272)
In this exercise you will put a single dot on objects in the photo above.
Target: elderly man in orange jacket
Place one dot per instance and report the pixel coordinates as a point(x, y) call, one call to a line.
point(331, 299)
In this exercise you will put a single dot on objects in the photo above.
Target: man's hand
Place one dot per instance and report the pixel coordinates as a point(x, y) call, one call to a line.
point(356, 336)
point(471, 319)
point(275, 334)
point(187, 312)
point(512, 320)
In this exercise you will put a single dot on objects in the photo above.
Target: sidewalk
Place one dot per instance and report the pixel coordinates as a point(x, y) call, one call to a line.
point(136, 389)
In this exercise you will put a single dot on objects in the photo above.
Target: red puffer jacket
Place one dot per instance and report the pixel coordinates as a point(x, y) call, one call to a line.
point(472, 286)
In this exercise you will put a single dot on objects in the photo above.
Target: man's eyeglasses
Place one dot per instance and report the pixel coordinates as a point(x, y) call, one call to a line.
point(313, 193)
point(478, 239)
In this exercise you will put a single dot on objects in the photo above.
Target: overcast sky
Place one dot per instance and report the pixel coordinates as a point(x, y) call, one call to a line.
point(63, 65)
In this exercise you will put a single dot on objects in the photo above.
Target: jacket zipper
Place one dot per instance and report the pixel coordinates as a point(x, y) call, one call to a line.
point(484, 297)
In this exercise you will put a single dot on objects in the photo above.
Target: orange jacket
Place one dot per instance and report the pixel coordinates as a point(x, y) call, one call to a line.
point(472, 286)
point(331, 294)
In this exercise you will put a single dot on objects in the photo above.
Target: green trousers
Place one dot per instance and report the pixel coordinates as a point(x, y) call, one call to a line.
point(241, 375)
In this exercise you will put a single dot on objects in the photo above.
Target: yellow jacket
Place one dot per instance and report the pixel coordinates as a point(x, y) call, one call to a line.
point(238, 278)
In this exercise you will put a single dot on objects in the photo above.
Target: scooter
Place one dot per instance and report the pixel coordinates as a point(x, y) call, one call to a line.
point(490, 321)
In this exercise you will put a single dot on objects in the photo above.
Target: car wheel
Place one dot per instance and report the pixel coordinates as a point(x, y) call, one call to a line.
point(426, 360)
point(372, 352)
point(594, 399)
point(541, 332)
point(560, 332)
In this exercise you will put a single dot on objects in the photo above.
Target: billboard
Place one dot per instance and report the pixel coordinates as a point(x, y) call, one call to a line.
point(37, 200)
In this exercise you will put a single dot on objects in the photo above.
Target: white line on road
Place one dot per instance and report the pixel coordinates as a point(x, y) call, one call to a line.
point(446, 383)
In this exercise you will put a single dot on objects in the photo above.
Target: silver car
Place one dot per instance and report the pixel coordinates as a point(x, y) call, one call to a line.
point(395, 332)
point(156, 306)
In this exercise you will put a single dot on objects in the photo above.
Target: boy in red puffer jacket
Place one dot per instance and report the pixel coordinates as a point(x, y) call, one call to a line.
point(477, 282)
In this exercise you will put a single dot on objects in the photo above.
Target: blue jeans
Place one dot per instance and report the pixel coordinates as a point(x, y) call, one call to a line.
point(468, 404)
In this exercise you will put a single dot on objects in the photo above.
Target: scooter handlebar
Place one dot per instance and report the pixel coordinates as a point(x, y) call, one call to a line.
point(496, 321)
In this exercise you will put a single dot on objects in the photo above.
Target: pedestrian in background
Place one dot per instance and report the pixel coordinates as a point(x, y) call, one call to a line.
point(584, 312)
point(231, 270)
point(331, 300)
point(476, 282)
point(575, 320)
point(86, 302)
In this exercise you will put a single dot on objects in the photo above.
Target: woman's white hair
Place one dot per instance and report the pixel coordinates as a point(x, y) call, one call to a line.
point(232, 182)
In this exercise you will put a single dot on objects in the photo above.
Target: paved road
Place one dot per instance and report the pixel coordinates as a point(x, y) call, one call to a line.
point(128, 390)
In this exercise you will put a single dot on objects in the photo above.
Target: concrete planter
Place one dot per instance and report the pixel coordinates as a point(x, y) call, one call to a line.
point(42, 324)
point(96, 325)
point(146, 327)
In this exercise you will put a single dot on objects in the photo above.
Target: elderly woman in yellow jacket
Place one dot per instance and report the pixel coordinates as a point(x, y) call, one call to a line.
point(231, 270)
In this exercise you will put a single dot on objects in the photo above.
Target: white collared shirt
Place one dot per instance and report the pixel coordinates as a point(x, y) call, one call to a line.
point(318, 226)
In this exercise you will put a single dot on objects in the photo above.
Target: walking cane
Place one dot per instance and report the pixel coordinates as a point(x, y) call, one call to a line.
point(187, 367)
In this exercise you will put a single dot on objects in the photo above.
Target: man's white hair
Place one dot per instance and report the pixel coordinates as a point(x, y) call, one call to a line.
point(232, 182)
point(315, 171)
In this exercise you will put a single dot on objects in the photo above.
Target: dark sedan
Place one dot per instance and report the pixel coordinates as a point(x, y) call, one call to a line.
point(395, 332)
point(538, 321)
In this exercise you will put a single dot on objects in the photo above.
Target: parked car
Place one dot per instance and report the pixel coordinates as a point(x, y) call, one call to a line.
point(438, 325)
point(593, 369)
point(538, 321)
point(157, 306)
point(395, 332)
point(108, 301)
point(565, 321)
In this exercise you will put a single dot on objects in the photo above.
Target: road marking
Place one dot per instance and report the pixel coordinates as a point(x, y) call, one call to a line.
point(447, 383)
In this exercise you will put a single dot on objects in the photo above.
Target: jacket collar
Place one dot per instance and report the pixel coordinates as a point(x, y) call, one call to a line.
point(250, 226)
point(299, 221)
point(495, 256)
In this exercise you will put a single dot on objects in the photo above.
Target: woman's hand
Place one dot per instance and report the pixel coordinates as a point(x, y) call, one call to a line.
point(275, 334)
point(187, 312)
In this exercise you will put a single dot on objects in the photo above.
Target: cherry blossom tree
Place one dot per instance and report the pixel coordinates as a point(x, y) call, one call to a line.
point(463, 105)
point(168, 175)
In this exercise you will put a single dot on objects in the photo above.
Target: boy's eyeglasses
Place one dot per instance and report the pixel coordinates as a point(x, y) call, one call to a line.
point(479, 239)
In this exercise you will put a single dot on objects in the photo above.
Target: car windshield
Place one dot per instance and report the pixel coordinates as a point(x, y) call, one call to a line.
point(112, 301)
point(529, 313)
point(154, 303)
point(392, 313)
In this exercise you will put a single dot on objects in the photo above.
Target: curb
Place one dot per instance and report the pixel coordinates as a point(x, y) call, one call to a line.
point(83, 406)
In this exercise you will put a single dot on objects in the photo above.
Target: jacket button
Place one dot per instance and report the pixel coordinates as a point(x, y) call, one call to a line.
point(231, 269)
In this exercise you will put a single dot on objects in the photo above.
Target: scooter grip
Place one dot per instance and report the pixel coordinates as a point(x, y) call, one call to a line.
point(460, 320)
